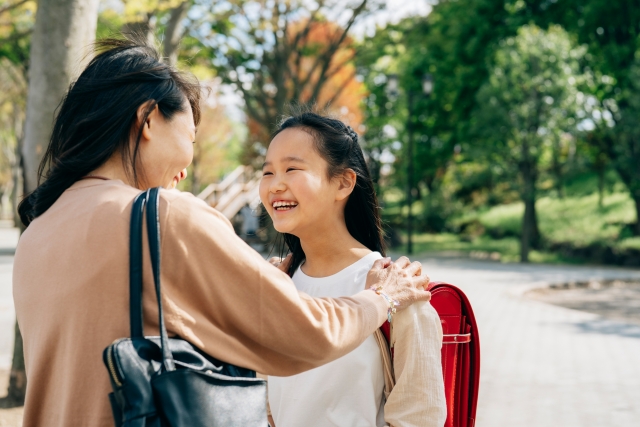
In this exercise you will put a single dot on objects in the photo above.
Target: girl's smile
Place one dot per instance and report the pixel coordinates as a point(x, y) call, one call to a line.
point(283, 205)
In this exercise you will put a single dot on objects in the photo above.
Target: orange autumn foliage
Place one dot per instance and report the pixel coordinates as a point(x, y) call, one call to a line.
point(340, 95)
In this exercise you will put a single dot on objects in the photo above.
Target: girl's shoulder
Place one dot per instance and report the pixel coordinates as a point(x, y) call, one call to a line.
point(346, 282)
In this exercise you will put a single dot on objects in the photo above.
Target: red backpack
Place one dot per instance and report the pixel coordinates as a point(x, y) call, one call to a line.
point(460, 353)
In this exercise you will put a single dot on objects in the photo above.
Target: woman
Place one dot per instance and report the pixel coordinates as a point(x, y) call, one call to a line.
point(317, 189)
point(127, 124)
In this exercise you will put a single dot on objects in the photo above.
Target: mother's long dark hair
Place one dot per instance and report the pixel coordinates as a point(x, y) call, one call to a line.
point(97, 117)
point(338, 144)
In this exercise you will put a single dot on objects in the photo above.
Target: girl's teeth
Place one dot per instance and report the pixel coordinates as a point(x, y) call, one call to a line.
point(282, 206)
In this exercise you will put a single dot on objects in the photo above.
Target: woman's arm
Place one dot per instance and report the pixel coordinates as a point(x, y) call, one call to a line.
point(223, 297)
point(417, 400)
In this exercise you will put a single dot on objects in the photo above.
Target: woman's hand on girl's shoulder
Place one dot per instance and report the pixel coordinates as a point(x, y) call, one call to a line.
point(402, 281)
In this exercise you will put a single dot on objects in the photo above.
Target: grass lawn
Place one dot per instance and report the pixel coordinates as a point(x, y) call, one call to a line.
point(577, 221)
point(505, 250)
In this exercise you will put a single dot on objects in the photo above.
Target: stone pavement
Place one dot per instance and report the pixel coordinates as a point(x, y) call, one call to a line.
point(543, 365)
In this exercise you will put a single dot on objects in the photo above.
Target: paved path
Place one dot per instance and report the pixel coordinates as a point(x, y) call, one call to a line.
point(8, 241)
point(544, 365)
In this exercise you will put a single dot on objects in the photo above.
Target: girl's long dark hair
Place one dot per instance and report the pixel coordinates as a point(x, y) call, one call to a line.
point(338, 144)
point(97, 117)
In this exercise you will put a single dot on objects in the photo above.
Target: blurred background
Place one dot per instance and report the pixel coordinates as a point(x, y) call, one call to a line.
point(499, 130)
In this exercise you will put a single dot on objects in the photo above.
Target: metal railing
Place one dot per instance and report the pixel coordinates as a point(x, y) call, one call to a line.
point(236, 190)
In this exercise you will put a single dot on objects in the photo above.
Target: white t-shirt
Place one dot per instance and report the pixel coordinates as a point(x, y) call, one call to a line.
point(347, 392)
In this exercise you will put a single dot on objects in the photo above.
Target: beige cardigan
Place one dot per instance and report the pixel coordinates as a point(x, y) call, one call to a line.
point(70, 286)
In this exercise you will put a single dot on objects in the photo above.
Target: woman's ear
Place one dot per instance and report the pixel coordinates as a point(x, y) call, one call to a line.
point(146, 122)
point(346, 184)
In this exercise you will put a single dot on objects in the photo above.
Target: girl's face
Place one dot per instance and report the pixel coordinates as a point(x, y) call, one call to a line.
point(295, 188)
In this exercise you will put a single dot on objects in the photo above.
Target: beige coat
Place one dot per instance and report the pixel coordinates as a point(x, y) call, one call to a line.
point(71, 288)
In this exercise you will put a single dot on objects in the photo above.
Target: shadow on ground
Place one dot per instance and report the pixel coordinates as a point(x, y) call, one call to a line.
point(608, 327)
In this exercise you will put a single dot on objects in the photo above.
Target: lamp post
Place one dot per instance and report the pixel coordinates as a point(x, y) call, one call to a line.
point(393, 91)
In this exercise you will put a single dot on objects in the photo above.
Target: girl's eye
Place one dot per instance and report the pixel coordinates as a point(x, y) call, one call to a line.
point(266, 173)
point(292, 169)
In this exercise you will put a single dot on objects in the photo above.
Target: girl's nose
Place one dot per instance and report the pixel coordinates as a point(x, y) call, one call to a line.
point(277, 186)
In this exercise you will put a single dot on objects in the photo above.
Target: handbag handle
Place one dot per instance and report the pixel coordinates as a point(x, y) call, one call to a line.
point(150, 198)
point(135, 266)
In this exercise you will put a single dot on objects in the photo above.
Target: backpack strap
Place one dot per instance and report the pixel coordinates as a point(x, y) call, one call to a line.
point(387, 364)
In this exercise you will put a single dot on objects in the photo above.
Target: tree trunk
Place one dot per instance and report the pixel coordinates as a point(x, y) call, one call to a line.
point(559, 178)
point(600, 165)
point(18, 376)
point(530, 233)
point(62, 35)
point(530, 238)
point(174, 32)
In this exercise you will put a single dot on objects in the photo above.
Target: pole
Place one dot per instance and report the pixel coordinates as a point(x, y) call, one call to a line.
point(410, 174)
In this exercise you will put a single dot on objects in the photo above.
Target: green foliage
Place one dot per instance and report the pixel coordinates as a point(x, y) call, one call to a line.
point(110, 23)
point(574, 222)
point(16, 24)
point(530, 95)
point(377, 58)
point(577, 221)
point(610, 30)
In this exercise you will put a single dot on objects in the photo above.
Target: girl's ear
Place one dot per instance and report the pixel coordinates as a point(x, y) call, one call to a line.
point(346, 184)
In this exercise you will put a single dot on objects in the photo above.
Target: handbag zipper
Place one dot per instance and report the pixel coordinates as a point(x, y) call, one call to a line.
point(112, 365)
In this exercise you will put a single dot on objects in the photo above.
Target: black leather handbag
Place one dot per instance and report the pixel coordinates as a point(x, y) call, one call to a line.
point(167, 382)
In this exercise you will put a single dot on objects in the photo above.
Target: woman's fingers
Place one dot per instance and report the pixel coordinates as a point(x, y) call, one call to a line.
point(282, 263)
point(401, 280)
point(378, 272)
point(402, 262)
point(381, 264)
point(276, 260)
point(424, 296)
point(414, 269)
point(286, 263)
point(422, 282)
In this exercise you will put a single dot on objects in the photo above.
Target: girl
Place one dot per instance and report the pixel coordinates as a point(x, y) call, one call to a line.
point(318, 191)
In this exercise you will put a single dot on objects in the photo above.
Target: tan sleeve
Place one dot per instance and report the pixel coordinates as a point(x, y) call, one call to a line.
point(417, 400)
point(223, 297)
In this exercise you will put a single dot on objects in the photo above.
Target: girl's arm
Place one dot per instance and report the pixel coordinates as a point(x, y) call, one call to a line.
point(417, 400)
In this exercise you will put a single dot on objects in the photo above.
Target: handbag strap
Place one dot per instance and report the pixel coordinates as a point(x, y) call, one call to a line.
point(387, 364)
point(151, 199)
point(153, 231)
point(135, 266)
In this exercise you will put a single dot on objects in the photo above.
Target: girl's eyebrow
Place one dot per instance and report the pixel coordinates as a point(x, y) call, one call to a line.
point(289, 159)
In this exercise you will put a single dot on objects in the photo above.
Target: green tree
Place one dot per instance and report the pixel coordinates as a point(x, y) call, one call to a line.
point(528, 103)
point(377, 58)
point(611, 31)
point(454, 44)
